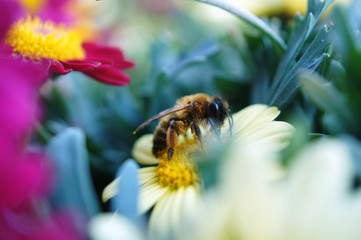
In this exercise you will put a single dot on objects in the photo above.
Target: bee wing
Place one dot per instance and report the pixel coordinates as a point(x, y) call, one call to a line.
point(162, 114)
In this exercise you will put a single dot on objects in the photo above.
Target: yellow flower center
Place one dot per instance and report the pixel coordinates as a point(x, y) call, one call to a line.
point(35, 39)
point(180, 171)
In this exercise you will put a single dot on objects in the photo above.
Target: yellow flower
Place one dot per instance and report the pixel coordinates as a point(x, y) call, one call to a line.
point(35, 39)
point(173, 186)
point(285, 8)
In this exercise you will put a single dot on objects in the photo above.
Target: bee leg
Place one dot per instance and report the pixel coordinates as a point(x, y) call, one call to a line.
point(197, 131)
point(172, 138)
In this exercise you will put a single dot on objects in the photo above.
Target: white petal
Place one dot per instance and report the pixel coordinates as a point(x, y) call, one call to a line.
point(191, 199)
point(253, 116)
point(142, 150)
point(171, 211)
point(266, 129)
point(273, 134)
point(110, 190)
point(176, 209)
point(159, 219)
point(146, 174)
point(319, 201)
point(147, 169)
point(324, 169)
point(112, 227)
point(150, 195)
point(151, 181)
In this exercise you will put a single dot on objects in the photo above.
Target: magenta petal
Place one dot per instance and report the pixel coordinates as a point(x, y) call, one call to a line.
point(107, 55)
point(18, 96)
point(5, 51)
point(104, 64)
point(81, 65)
point(58, 67)
point(20, 68)
point(125, 64)
point(95, 51)
point(10, 12)
point(28, 177)
point(57, 11)
point(59, 226)
point(109, 75)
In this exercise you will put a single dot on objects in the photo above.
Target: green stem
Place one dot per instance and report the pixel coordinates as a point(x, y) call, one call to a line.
point(251, 19)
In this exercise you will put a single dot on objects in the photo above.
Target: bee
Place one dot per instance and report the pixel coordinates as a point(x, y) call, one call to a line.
point(190, 111)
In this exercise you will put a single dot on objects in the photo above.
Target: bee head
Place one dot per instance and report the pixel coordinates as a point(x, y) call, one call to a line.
point(217, 112)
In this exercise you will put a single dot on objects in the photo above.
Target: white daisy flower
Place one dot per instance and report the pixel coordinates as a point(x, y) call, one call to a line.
point(314, 200)
point(173, 187)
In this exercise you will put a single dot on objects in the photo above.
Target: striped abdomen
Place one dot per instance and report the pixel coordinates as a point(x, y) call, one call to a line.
point(160, 138)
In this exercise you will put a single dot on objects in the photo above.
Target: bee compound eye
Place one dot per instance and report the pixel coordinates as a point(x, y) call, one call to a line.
point(214, 109)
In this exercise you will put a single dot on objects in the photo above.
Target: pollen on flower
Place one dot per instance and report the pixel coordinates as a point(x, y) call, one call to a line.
point(36, 39)
point(180, 171)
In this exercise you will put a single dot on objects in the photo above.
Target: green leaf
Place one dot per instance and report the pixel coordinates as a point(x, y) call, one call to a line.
point(74, 188)
point(327, 98)
point(348, 45)
point(251, 19)
point(199, 55)
point(282, 93)
point(285, 83)
point(318, 7)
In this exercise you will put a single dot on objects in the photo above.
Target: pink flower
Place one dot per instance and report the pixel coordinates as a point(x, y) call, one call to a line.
point(100, 62)
point(25, 176)
point(22, 174)
point(46, 35)
point(19, 84)
point(25, 224)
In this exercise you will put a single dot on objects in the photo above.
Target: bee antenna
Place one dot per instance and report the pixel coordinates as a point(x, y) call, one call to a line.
point(230, 123)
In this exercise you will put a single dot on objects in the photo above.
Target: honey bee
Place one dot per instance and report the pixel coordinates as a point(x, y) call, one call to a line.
point(190, 111)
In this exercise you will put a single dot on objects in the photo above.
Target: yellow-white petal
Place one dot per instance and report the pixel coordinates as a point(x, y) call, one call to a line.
point(159, 227)
point(146, 174)
point(192, 196)
point(142, 150)
point(176, 208)
point(172, 211)
point(273, 134)
point(149, 195)
point(111, 190)
point(320, 203)
point(252, 117)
